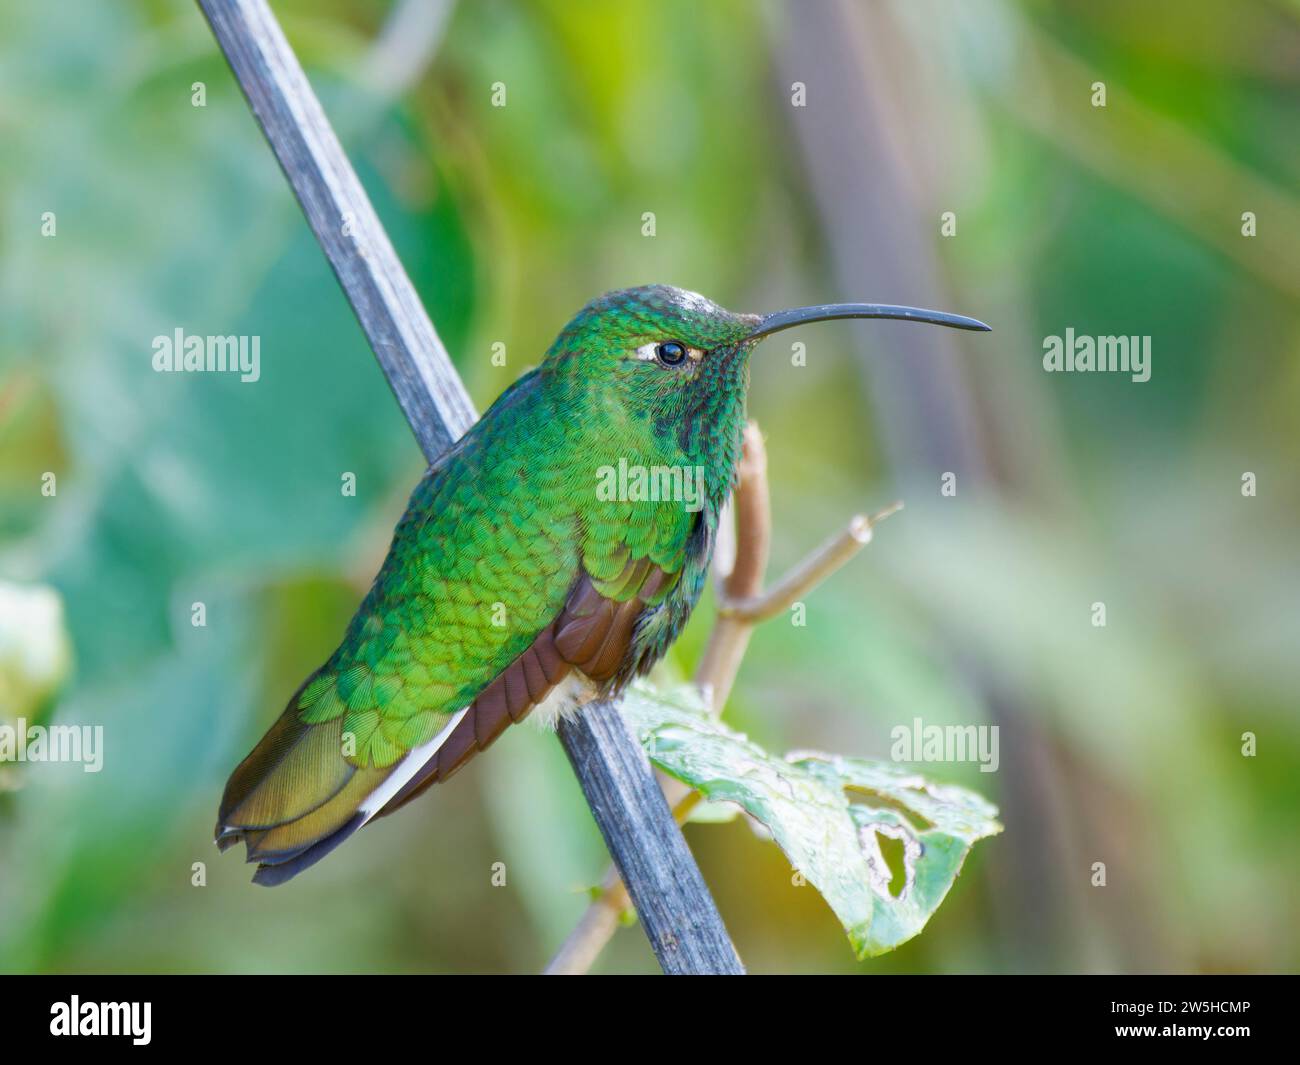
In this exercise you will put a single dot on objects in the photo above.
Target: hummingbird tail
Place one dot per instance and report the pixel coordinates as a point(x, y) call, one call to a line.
point(295, 797)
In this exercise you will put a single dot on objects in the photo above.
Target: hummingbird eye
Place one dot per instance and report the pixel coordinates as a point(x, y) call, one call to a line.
point(670, 353)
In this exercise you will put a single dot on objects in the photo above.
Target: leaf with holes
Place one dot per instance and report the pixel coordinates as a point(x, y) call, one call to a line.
point(881, 843)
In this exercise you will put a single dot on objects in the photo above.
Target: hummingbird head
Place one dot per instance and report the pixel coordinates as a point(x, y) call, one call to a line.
point(648, 344)
point(665, 370)
point(669, 355)
point(651, 365)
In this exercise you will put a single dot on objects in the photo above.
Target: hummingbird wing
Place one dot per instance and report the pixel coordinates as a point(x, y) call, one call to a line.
point(593, 634)
point(494, 589)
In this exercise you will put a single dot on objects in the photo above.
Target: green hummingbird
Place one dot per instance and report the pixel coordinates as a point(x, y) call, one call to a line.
point(523, 573)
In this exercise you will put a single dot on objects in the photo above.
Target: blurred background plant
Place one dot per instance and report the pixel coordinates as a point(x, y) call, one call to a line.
point(1119, 744)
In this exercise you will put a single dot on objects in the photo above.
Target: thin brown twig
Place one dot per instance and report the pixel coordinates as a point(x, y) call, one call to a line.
point(729, 637)
point(809, 573)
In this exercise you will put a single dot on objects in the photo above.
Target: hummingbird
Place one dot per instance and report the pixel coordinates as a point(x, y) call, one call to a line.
point(517, 578)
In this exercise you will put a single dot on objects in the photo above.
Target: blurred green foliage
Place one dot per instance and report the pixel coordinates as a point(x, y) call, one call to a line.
point(1120, 745)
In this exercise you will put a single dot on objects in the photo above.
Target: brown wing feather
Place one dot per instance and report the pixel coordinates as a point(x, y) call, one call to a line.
point(591, 634)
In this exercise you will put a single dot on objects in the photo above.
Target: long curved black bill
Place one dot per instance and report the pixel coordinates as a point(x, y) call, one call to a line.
point(778, 320)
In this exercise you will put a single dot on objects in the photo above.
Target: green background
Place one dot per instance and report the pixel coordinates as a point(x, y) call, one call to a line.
point(1120, 744)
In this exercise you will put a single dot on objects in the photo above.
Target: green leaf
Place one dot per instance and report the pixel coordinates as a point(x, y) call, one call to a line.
point(881, 843)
